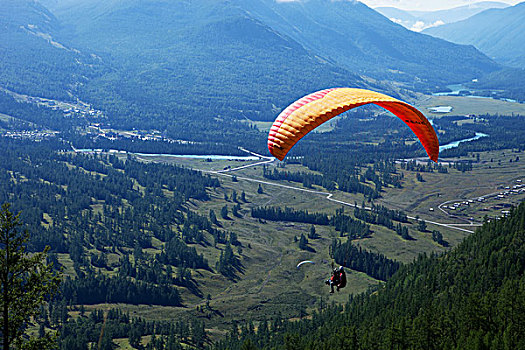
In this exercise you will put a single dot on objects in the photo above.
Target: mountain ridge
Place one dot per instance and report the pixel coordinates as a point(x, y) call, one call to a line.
point(170, 66)
point(35, 59)
point(365, 42)
point(420, 20)
point(498, 33)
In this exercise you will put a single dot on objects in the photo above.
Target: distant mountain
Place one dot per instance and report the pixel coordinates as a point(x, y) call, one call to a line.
point(405, 18)
point(419, 20)
point(361, 40)
point(499, 33)
point(181, 65)
point(186, 60)
point(34, 59)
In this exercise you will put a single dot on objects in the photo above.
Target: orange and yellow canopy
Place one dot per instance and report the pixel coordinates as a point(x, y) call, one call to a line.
point(307, 113)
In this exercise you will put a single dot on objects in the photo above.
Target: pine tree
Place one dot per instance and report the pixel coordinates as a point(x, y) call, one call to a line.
point(25, 280)
point(422, 226)
point(224, 212)
point(303, 242)
point(312, 234)
point(213, 217)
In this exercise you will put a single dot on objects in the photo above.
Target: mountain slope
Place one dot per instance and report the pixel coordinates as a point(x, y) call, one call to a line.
point(470, 298)
point(34, 60)
point(419, 20)
point(198, 65)
point(499, 33)
point(192, 60)
point(363, 41)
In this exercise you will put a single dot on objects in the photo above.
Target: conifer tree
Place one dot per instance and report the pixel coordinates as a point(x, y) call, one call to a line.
point(25, 281)
point(224, 212)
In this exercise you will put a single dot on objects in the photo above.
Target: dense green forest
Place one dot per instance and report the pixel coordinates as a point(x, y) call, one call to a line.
point(373, 264)
point(101, 328)
point(472, 297)
point(91, 207)
point(504, 132)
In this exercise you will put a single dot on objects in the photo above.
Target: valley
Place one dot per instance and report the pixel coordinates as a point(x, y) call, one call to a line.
point(135, 146)
point(258, 289)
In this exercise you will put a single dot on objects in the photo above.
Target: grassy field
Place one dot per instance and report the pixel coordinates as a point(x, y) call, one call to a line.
point(467, 105)
point(269, 283)
point(486, 177)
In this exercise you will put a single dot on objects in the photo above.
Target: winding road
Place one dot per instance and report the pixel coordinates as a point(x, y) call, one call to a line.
point(328, 196)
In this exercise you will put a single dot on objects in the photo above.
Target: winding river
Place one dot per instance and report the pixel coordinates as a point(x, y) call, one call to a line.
point(243, 158)
point(456, 143)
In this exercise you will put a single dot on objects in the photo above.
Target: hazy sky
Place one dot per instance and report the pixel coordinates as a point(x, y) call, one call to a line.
point(426, 5)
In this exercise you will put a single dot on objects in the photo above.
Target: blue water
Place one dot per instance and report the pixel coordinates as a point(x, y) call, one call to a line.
point(200, 156)
point(195, 156)
point(456, 143)
point(456, 88)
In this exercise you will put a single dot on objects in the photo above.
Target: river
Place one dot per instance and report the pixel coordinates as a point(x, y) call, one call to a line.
point(456, 143)
point(456, 90)
point(242, 158)
point(194, 156)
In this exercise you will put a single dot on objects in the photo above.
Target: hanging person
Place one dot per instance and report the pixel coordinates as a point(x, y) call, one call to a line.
point(338, 279)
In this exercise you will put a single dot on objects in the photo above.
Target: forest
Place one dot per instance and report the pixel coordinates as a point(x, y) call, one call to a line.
point(79, 202)
point(472, 297)
point(127, 232)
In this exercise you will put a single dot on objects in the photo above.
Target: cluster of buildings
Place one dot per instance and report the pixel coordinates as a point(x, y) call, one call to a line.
point(69, 110)
point(518, 188)
point(96, 128)
point(30, 135)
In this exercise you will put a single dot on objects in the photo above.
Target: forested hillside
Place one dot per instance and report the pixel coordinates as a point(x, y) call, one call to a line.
point(98, 209)
point(184, 65)
point(35, 59)
point(363, 41)
point(470, 298)
point(204, 65)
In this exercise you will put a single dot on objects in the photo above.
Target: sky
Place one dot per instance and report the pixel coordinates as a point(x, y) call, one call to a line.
point(427, 5)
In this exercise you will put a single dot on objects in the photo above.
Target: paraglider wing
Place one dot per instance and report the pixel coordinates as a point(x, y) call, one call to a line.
point(305, 262)
point(309, 112)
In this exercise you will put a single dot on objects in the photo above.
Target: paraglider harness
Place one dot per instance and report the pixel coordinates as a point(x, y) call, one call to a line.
point(338, 279)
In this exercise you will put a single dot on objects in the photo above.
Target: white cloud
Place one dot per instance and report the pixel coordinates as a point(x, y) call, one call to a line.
point(396, 20)
point(425, 5)
point(420, 25)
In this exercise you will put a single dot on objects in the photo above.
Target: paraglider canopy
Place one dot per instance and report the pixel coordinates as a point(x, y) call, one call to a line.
point(305, 262)
point(307, 113)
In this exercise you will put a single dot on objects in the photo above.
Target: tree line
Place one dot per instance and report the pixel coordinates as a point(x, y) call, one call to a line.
point(373, 264)
point(470, 297)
